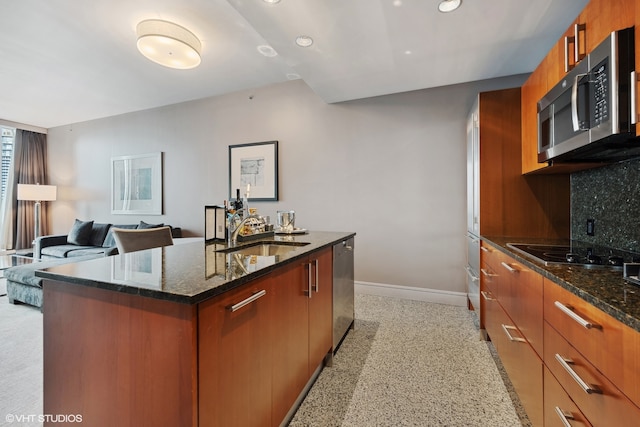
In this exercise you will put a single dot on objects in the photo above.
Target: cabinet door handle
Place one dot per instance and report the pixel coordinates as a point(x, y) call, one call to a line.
point(567, 41)
point(252, 298)
point(577, 29)
point(506, 329)
point(483, 249)
point(568, 310)
point(317, 283)
point(634, 97)
point(486, 296)
point(564, 362)
point(564, 416)
point(486, 273)
point(309, 279)
point(508, 267)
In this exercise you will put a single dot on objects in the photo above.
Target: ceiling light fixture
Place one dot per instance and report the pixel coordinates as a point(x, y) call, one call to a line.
point(267, 51)
point(272, 1)
point(446, 6)
point(304, 41)
point(168, 44)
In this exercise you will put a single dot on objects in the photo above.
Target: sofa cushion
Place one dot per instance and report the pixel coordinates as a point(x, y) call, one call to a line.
point(62, 251)
point(109, 241)
point(98, 233)
point(82, 251)
point(143, 225)
point(80, 232)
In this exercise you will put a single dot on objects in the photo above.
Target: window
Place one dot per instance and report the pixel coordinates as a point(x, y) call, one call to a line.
point(8, 136)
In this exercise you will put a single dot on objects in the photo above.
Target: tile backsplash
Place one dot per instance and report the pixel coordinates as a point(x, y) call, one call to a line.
point(609, 195)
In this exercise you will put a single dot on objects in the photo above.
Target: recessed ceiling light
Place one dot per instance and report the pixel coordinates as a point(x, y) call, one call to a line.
point(168, 44)
point(267, 50)
point(304, 41)
point(271, 1)
point(293, 76)
point(449, 5)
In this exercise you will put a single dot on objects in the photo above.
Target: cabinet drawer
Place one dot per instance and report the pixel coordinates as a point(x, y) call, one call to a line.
point(598, 399)
point(558, 405)
point(593, 333)
point(521, 362)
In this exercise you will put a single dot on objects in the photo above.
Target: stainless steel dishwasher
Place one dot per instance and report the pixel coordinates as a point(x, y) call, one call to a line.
point(343, 289)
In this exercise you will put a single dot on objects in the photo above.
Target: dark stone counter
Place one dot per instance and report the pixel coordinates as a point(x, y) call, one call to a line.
point(185, 273)
point(604, 288)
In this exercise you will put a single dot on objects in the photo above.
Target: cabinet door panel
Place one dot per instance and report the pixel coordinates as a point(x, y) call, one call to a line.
point(601, 344)
point(235, 358)
point(603, 404)
point(320, 314)
point(290, 345)
point(557, 403)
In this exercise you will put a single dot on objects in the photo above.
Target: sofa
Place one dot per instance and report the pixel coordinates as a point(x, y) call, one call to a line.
point(86, 240)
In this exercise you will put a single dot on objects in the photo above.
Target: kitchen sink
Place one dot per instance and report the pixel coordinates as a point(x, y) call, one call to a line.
point(264, 249)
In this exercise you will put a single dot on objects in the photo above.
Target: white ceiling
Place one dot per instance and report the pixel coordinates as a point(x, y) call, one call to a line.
point(67, 61)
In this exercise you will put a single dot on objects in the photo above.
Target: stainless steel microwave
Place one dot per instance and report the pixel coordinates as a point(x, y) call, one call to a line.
point(590, 115)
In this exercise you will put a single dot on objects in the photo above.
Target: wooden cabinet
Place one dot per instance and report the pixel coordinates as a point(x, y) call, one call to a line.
point(235, 333)
point(559, 409)
point(513, 320)
point(291, 344)
point(320, 314)
point(597, 20)
point(594, 394)
point(303, 320)
point(503, 191)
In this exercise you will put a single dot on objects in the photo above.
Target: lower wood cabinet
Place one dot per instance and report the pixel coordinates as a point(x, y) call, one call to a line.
point(236, 355)
point(568, 361)
point(559, 409)
point(257, 359)
point(594, 394)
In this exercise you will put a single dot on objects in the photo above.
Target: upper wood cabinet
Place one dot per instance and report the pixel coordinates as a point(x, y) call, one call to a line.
point(598, 19)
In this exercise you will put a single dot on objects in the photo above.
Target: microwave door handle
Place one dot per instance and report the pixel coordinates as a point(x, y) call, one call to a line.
point(574, 103)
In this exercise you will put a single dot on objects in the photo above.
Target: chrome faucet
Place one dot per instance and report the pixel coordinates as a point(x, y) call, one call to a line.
point(233, 232)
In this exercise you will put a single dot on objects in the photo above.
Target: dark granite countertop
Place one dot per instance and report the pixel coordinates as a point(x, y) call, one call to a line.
point(185, 273)
point(604, 288)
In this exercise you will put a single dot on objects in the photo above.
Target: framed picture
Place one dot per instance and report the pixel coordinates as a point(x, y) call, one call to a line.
point(255, 167)
point(136, 184)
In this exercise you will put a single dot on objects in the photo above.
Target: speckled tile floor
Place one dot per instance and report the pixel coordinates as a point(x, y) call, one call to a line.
point(411, 363)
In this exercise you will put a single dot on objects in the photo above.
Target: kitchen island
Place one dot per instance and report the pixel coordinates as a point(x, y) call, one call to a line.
point(189, 335)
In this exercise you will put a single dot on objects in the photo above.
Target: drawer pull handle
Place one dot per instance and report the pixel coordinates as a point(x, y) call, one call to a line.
point(512, 338)
point(487, 296)
point(564, 416)
point(564, 362)
point(486, 273)
point(568, 310)
point(508, 267)
point(252, 298)
point(483, 249)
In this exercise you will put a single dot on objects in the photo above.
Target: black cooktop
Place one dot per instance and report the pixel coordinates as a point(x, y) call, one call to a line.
point(577, 252)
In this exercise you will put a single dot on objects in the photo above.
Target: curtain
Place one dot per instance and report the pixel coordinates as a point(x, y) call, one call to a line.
point(30, 168)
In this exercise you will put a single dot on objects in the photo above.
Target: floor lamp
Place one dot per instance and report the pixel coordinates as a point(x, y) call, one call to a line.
point(36, 193)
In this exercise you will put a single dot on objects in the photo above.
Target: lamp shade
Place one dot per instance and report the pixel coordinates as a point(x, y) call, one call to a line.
point(168, 44)
point(37, 192)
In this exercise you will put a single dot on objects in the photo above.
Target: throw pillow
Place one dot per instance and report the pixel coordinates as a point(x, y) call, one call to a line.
point(80, 233)
point(143, 225)
point(98, 233)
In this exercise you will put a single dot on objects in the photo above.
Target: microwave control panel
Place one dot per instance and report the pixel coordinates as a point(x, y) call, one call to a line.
point(600, 97)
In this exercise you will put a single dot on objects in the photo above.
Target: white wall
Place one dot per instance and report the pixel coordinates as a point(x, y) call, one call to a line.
point(390, 168)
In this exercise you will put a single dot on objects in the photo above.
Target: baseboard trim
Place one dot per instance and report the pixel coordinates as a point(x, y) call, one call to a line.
point(412, 293)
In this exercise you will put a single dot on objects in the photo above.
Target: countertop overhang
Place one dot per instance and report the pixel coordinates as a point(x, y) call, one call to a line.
point(184, 273)
point(604, 288)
